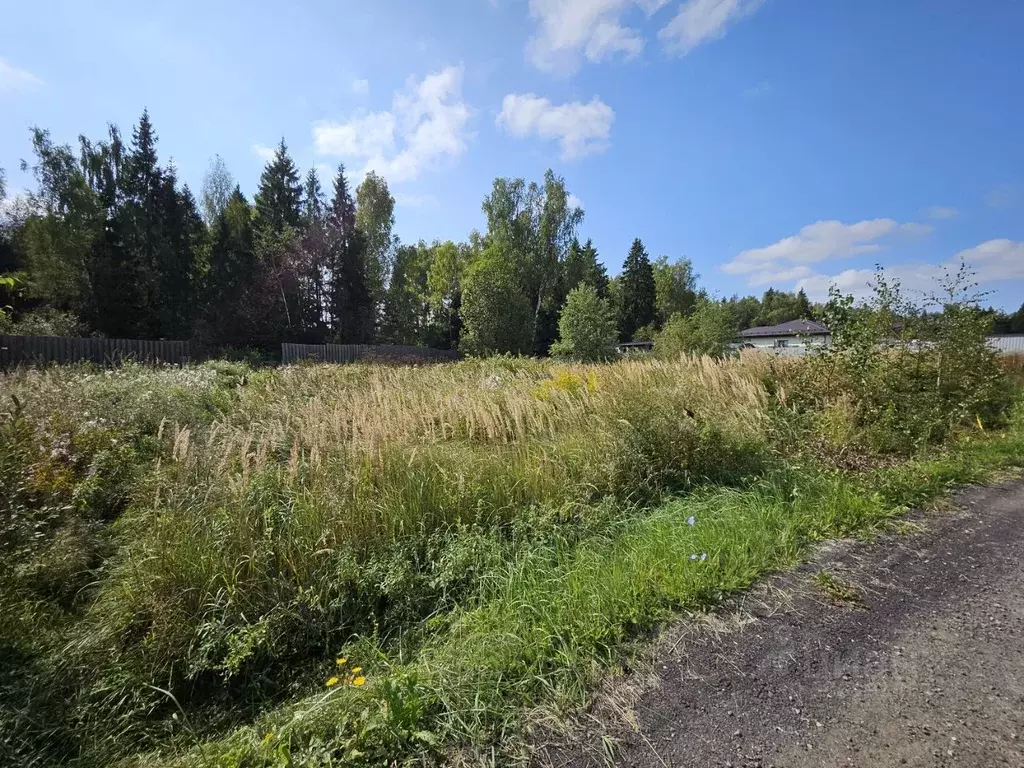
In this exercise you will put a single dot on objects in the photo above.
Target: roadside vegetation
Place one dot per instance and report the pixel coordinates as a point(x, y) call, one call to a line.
point(368, 565)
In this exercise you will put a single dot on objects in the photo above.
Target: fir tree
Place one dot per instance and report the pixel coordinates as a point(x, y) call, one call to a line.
point(279, 198)
point(182, 236)
point(581, 267)
point(350, 303)
point(637, 292)
point(803, 305)
point(231, 272)
point(315, 263)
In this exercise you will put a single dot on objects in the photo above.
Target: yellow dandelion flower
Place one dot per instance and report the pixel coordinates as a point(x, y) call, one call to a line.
point(356, 670)
point(333, 681)
point(341, 662)
point(359, 681)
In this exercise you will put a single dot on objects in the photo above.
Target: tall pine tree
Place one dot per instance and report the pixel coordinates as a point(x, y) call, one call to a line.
point(637, 292)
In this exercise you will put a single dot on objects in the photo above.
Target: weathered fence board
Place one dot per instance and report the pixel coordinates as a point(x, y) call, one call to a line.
point(15, 350)
point(350, 353)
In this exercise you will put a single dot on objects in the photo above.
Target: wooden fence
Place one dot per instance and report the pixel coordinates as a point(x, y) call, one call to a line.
point(349, 353)
point(58, 349)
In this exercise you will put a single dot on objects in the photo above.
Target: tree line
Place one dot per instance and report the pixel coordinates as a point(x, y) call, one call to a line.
point(111, 243)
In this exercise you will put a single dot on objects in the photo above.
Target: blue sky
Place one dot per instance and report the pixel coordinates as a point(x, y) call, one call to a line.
point(774, 142)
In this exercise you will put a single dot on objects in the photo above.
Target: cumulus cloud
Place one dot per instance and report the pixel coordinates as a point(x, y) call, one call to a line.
point(700, 21)
point(366, 136)
point(263, 152)
point(575, 202)
point(427, 122)
point(409, 200)
point(995, 260)
point(992, 262)
point(580, 129)
point(569, 30)
point(14, 79)
point(361, 86)
point(789, 258)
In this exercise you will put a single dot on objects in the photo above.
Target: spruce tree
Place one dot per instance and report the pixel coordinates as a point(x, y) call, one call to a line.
point(134, 286)
point(581, 267)
point(279, 198)
point(177, 255)
point(350, 302)
point(803, 305)
point(314, 264)
point(231, 273)
point(637, 292)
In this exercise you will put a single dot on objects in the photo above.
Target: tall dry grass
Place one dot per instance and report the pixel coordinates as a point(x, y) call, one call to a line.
point(323, 505)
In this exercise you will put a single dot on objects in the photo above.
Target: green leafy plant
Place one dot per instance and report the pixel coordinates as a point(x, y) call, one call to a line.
point(587, 327)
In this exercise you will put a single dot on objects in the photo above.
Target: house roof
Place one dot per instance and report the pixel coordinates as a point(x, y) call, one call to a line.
point(792, 328)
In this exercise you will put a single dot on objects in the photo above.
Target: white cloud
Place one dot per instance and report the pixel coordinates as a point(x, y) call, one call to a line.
point(427, 122)
point(580, 129)
point(700, 21)
point(570, 29)
point(367, 136)
point(14, 79)
point(914, 229)
point(993, 261)
point(939, 212)
point(575, 202)
point(789, 258)
point(361, 86)
point(263, 152)
point(410, 200)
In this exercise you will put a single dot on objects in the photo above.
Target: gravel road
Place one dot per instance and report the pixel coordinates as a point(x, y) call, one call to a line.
point(921, 664)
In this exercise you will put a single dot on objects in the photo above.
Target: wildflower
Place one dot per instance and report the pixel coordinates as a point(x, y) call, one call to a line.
point(702, 556)
point(358, 681)
point(356, 670)
point(691, 520)
point(332, 682)
point(341, 662)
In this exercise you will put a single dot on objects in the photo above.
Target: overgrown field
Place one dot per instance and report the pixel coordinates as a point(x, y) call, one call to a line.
point(324, 565)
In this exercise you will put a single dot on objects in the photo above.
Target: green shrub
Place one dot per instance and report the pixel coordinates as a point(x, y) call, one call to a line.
point(587, 327)
point(909, 377)
point(707, 331)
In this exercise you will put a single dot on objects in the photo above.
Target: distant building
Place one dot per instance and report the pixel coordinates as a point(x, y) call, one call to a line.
point(797, 335)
